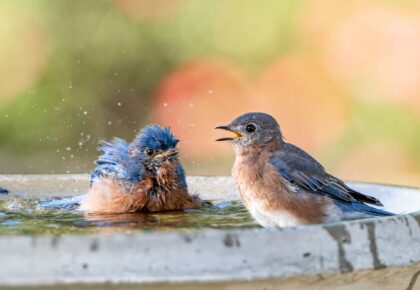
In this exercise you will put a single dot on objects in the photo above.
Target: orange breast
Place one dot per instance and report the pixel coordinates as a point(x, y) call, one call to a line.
point(262, 187)
point(106, 196)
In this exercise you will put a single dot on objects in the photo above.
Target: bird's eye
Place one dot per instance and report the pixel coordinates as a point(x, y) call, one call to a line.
point(149, 151)
point(250, 128)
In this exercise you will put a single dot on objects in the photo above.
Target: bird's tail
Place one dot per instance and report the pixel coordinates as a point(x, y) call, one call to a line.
point(364, 209)
point(376, 211)
point(365, 198)
point(66, 203)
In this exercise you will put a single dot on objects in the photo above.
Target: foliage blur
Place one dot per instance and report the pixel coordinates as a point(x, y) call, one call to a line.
point(341, 77)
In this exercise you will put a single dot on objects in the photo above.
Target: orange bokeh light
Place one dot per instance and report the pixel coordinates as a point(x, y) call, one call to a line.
point(198, 96)
point(315, 22)
point(376, 53)
point(370, 48)
point(387, 163)
point(312, 112)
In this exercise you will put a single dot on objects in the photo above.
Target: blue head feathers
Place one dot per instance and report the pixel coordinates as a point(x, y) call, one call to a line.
point(154, 137)
point(128, 163)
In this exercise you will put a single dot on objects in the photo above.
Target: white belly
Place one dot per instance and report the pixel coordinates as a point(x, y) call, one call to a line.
point(276, 219)
point(251, 198)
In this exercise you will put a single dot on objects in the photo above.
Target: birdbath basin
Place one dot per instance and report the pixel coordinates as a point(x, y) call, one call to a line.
point(379, 253)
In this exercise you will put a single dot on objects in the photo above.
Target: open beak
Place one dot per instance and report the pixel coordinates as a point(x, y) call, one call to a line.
point(167, 153)
point(227, 128)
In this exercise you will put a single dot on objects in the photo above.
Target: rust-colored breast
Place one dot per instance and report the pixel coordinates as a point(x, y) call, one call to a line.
point(106, 196)
point(170, 195)
point(163, 194)
point(265, 193)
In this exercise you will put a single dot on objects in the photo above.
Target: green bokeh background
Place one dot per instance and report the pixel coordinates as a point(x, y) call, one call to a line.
point(104, 66)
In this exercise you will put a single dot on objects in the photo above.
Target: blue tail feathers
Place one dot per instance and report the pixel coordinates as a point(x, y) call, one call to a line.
point(67, 203)
point(363, 208)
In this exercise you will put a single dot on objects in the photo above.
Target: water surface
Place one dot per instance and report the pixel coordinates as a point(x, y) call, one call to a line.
point(26, 216)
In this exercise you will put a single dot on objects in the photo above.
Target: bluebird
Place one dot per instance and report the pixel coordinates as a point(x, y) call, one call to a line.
point(3, 191)
point(281, 185)
point(143, 176)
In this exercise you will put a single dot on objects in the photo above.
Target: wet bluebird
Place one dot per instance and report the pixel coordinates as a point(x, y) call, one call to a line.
point(144, 176)
point(281, 185)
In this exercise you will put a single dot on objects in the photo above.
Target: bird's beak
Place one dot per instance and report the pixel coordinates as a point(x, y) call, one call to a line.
point(227, 128)
point(167, 153)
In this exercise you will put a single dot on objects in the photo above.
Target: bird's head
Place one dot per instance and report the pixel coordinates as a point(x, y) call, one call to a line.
point(252, 129)
point(154, 145)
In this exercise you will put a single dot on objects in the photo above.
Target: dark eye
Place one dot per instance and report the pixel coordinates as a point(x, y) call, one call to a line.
point(149, 151)
point(250, 128)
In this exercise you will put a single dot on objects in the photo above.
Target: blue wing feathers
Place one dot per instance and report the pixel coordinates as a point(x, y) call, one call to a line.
point(181, 176)
point(300, 169)
point(116, 162)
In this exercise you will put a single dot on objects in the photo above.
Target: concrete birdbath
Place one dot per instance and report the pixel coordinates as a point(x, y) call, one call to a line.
point(224, 252)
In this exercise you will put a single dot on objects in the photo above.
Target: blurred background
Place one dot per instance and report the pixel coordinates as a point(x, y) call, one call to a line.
point(341, 77)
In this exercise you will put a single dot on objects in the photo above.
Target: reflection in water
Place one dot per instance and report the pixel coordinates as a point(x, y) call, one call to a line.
point(19, 216)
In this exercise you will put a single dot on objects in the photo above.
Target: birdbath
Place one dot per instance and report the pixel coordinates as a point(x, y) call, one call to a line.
point(378, 253)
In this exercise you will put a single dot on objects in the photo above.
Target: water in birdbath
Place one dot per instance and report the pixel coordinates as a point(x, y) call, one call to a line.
point(26, 216)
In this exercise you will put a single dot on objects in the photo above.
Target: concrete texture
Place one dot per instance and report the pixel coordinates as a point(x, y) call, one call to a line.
point(368, 254)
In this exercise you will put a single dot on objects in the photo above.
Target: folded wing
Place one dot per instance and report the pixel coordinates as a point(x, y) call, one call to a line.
point(303, 171)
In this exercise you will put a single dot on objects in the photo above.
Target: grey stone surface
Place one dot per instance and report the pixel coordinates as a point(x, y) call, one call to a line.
point(331, 256)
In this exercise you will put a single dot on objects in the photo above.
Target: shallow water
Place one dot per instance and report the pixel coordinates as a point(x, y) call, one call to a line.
point(20, 216)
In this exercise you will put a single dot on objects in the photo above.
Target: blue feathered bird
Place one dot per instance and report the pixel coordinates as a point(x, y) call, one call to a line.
point(143, 176)
point(282, 185)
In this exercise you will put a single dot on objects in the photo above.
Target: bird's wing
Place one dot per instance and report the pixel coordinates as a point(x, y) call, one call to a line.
point(115, 162)
point(181, 175)
point(302, 170)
